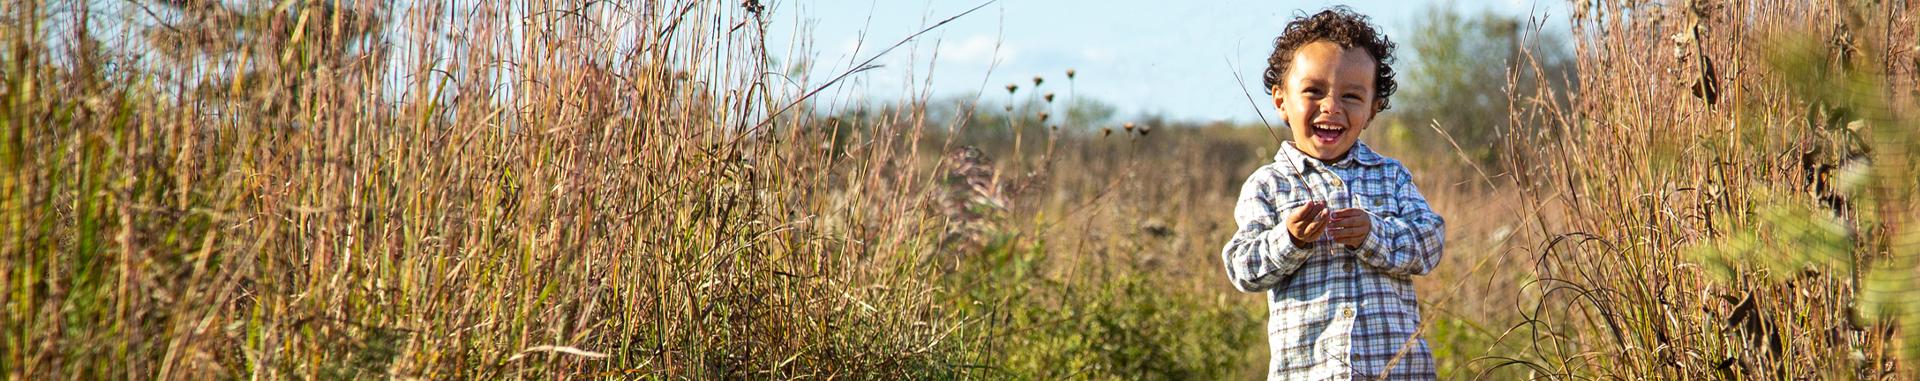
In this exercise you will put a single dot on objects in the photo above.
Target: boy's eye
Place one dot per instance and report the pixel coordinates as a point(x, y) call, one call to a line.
point(1352, 97)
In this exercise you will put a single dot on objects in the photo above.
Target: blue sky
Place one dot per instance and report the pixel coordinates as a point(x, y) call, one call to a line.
point(1174, 58)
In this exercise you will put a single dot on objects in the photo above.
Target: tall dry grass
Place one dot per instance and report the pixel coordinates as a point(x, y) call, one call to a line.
point(359, 189)
point(561, 189)
point(1732, 192)
point(569, 189)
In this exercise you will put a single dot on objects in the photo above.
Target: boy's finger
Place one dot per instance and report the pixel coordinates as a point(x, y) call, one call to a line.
point(1340, 233)
point(1303, 212)
point(1349, 222)
point(1360, 223)
point(1314, 225)
point(1349, 213)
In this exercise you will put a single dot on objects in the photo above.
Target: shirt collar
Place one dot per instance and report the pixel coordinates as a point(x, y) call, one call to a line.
point(1360, 154)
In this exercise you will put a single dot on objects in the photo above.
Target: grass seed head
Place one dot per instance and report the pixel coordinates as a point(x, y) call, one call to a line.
point(1011, 87)
point(1048, 97)
point(1070, 72)
point(1037, 80)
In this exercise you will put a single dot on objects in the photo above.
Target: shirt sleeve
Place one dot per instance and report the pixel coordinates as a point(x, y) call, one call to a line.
point(1410, 241)
point(1261, 255)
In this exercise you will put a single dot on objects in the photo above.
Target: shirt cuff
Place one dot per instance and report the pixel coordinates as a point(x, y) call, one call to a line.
point(1284, 249)
point(1375, 243)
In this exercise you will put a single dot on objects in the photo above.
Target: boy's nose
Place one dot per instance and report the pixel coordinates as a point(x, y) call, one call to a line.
point(1330, 107)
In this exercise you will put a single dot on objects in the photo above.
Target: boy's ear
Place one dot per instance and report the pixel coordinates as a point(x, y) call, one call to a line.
point(1279, 97)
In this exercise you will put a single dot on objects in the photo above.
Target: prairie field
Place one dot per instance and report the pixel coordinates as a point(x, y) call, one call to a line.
point(557, 189)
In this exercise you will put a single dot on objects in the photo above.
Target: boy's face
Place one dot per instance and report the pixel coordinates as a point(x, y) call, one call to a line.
point(1327, 98)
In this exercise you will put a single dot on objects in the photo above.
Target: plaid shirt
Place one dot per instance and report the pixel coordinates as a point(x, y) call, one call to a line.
point(1335, 312)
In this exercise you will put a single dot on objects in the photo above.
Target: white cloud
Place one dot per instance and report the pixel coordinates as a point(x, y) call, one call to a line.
point(977, 49)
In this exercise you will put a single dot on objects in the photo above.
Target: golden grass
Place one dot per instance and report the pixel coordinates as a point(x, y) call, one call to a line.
point(1691, 126)
point(506, 190)
point(562, 189)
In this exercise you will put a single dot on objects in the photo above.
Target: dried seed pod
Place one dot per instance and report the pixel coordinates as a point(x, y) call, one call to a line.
point(1070, 72)
point(1106, 131)
point(1037, 80)
point(1144, 129)
point(1011, 87)
point(1128, 126)
point(1044, 116)
point(1048, 97)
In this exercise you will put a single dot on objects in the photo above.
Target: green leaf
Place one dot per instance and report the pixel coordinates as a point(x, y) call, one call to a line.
point(1888, 286)
point(1787, 238)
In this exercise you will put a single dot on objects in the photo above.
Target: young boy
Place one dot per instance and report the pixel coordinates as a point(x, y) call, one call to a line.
point(1332, 231)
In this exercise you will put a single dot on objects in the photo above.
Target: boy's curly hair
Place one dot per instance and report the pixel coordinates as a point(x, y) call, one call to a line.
point(1339, 25)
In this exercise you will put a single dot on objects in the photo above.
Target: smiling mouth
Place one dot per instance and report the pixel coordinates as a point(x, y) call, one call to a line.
point(1327, 134)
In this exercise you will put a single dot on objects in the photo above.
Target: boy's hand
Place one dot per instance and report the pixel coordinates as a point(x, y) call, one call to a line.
point(1351, 226)
point(1308, 222)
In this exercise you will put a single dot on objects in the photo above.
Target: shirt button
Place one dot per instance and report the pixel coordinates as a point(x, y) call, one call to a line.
point(1346, 266)
point(1346, 312)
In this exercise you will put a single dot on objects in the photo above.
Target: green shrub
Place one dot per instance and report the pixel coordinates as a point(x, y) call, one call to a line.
point(1111, 322)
